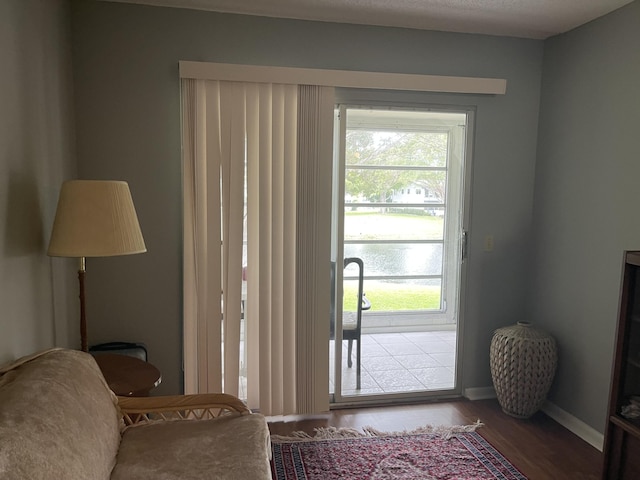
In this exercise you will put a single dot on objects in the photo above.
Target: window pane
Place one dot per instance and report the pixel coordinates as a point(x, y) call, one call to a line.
point(394, 148)
point(397, 186)
point(381, 223)
point(389, 296)
point(397, 259)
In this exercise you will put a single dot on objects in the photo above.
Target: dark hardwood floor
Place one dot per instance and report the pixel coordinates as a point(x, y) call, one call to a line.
point(539, 447)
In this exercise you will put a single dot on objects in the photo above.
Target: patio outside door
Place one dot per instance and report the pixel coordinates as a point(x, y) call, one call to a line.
point(399, 190)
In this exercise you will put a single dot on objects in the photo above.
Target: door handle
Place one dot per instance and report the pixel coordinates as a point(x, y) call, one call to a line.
point(463, 246)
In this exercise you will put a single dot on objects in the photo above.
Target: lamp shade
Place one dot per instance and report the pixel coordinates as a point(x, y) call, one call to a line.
point(95, 218)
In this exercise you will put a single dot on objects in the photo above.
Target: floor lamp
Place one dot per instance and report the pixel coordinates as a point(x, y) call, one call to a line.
point(95, 218)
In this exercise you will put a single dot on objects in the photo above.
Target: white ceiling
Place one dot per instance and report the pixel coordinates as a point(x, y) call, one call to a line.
point(515, 18)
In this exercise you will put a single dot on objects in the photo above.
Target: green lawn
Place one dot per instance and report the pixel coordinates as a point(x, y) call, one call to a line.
point(386, 297)
point(371, 224)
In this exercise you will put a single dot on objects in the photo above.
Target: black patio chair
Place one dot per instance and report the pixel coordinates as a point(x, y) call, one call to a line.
point(351, 321)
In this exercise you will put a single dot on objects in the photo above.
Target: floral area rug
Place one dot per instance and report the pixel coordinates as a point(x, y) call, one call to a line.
point(451, 453)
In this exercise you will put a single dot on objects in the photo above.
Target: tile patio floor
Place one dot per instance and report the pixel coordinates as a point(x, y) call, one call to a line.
point(400, 362)
point(396, 362)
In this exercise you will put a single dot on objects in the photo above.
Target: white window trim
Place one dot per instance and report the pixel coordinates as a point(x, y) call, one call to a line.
point(342, 78)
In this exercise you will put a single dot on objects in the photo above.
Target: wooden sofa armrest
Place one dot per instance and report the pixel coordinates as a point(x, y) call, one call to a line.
point(137, 410)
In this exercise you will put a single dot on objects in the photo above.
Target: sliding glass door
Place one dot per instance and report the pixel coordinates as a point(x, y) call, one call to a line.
point(398, 231)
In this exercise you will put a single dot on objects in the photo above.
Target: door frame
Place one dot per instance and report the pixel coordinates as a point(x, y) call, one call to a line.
point(337, 400)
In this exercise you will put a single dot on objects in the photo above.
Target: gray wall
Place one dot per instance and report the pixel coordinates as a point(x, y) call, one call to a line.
point(37, 307)
point(128, 127)
point(127, 108)
point(586, 199)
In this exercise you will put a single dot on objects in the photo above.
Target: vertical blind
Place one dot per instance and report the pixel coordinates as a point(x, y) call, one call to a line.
point(267, 147)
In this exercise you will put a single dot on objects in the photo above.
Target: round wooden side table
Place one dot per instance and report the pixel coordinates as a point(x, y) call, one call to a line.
point(128, 376)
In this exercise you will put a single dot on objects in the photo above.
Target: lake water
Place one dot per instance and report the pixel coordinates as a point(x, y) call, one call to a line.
point(396, 259)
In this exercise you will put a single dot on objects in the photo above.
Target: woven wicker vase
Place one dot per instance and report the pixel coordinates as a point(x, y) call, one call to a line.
point(523, 363)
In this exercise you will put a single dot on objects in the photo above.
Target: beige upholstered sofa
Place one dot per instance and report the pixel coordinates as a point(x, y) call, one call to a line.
point(59, 420)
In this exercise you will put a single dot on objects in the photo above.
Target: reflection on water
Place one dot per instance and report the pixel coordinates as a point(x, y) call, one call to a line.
point(397, 259)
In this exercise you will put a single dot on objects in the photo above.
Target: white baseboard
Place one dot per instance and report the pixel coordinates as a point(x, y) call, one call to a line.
point(568, 421)
point(574, 425)
point(479, 393)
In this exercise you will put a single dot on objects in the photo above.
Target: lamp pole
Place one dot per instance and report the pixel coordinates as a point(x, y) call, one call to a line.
point(83, 316)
